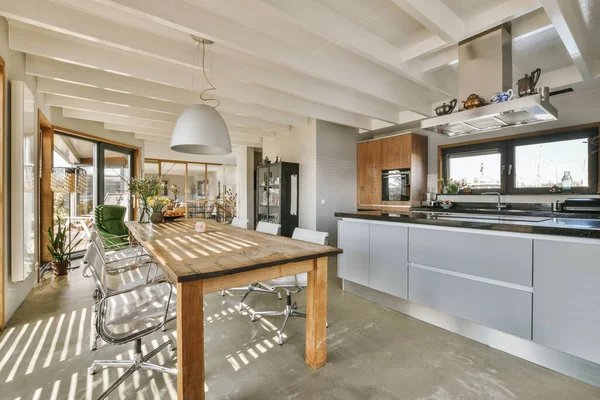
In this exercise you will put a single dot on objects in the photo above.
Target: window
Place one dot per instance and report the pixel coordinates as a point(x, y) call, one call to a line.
point(479, 166)
point(526, 166)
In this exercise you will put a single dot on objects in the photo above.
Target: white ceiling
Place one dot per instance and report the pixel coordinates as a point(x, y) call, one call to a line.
point(364, 63)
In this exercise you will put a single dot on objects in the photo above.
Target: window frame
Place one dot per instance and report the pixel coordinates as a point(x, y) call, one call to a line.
point(478, 148)
point(507, 147)
point(557, 137)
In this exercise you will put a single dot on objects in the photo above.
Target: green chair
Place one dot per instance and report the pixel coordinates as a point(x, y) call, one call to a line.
point(110, 224)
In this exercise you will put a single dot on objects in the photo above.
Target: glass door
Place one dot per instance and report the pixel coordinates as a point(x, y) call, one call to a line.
point(114, 170)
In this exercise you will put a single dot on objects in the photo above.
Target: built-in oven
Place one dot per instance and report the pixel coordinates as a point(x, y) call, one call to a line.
point(395, 185)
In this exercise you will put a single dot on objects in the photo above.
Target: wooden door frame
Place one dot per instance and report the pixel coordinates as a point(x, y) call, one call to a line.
point(46, 197)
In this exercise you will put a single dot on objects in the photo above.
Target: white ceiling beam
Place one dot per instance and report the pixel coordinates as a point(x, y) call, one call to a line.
point(422, 48)
point(506, 11)
point(149, 127)
point(567, 19)
point(96, 106)
point(436, 17)
point(46, 85)
point(252, 94)
point(51, 86)
point(228, 72)
point(116, 119)
point(364, 76)
point(320, 19)
point(234, 142)
point(531, 24)
point(135, 129)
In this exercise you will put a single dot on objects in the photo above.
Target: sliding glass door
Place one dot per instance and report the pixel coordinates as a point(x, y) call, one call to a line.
point(114, 167)
point(87, 173)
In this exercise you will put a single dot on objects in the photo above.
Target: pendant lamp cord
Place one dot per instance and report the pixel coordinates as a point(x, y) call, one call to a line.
point(211, 87)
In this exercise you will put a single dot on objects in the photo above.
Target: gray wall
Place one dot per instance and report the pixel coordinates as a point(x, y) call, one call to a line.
point(336, 174)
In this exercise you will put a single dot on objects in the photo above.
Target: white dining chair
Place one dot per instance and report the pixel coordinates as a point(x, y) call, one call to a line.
point(264, 227)
point(240, 222)
point(291, 284)
point(268, 227)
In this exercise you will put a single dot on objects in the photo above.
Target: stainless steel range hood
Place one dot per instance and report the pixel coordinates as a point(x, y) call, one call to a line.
point(526, 110)
point(485, 68)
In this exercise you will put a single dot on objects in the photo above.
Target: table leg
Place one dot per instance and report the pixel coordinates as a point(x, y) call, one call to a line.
point(190, 341)
point(316, 314)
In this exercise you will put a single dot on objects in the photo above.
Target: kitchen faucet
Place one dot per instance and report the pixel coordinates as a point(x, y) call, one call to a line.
point(500, 206)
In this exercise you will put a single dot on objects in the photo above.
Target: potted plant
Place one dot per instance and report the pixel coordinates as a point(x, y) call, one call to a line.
point(157, 204)
point(144, 189)
point(59, 249)
point(451, 186)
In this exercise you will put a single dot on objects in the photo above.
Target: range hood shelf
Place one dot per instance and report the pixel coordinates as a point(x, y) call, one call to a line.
point(527, 110)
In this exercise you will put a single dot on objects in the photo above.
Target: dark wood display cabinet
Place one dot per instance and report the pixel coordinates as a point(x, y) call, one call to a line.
point(277, 195)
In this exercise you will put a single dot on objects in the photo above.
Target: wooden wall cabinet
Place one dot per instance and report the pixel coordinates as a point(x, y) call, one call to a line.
point(395, 152)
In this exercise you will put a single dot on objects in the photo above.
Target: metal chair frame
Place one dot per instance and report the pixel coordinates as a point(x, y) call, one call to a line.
point(296, 287)
point(140, 361)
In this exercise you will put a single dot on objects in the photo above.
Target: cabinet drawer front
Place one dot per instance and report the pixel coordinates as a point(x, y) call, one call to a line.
point(389, 259)
point(497, 307)
point(353, 264)
point(566, 300)
point(500, 258)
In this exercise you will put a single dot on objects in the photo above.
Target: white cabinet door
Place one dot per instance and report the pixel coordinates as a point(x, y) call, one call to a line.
point(353, 264)
point(566, 297)
point(389, 259)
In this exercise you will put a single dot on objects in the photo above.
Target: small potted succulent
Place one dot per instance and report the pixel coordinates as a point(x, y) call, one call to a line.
point(59, 249)
point(157, 204)
point(451, 186)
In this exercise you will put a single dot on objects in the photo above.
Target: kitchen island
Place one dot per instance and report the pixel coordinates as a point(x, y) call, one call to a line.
point(524, 284)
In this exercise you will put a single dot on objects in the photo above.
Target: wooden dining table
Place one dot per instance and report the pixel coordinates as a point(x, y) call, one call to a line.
point(224, 257)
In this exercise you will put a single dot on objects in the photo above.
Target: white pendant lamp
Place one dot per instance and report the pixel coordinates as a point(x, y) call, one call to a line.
point(200, 129)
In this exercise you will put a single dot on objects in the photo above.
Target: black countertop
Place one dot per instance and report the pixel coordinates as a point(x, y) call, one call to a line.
point(538, 224)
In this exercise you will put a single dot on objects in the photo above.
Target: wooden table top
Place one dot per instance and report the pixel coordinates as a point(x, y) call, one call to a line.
point(187, 255)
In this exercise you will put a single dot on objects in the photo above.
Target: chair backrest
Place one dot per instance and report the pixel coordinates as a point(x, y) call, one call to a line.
point(308, 235)
point(267, 227)
point(94, 263)
point(111, 219)
point(98, 243)
point(240, 222)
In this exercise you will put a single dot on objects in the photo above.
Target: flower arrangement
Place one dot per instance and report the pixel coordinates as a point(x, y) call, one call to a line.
point(145, 188)
point(451, 186)
point(157, 203)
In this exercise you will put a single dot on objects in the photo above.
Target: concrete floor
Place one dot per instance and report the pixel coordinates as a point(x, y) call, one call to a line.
point(373, 353)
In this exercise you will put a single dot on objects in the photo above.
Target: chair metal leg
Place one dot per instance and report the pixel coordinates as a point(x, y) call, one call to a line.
point(158, 368)
point(266, 314)
point(139, 361)
point(121, 379)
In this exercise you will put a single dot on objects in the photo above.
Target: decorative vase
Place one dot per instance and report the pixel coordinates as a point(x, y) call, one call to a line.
point(157, 217)
point(61, 268)
point(144, 213)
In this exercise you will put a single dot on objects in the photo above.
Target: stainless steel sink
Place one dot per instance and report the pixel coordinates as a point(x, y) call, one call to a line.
point(494, 217)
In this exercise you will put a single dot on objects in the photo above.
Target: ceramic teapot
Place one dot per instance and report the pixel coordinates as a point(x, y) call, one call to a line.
point(473, 101)
point(446, 109)
point(503, 96)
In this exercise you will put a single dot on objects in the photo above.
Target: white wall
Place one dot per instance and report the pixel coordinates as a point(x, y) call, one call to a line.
point(245, 183)
point(576, 108)
point(15, 293)
point(299, 146)
point(336, 174)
